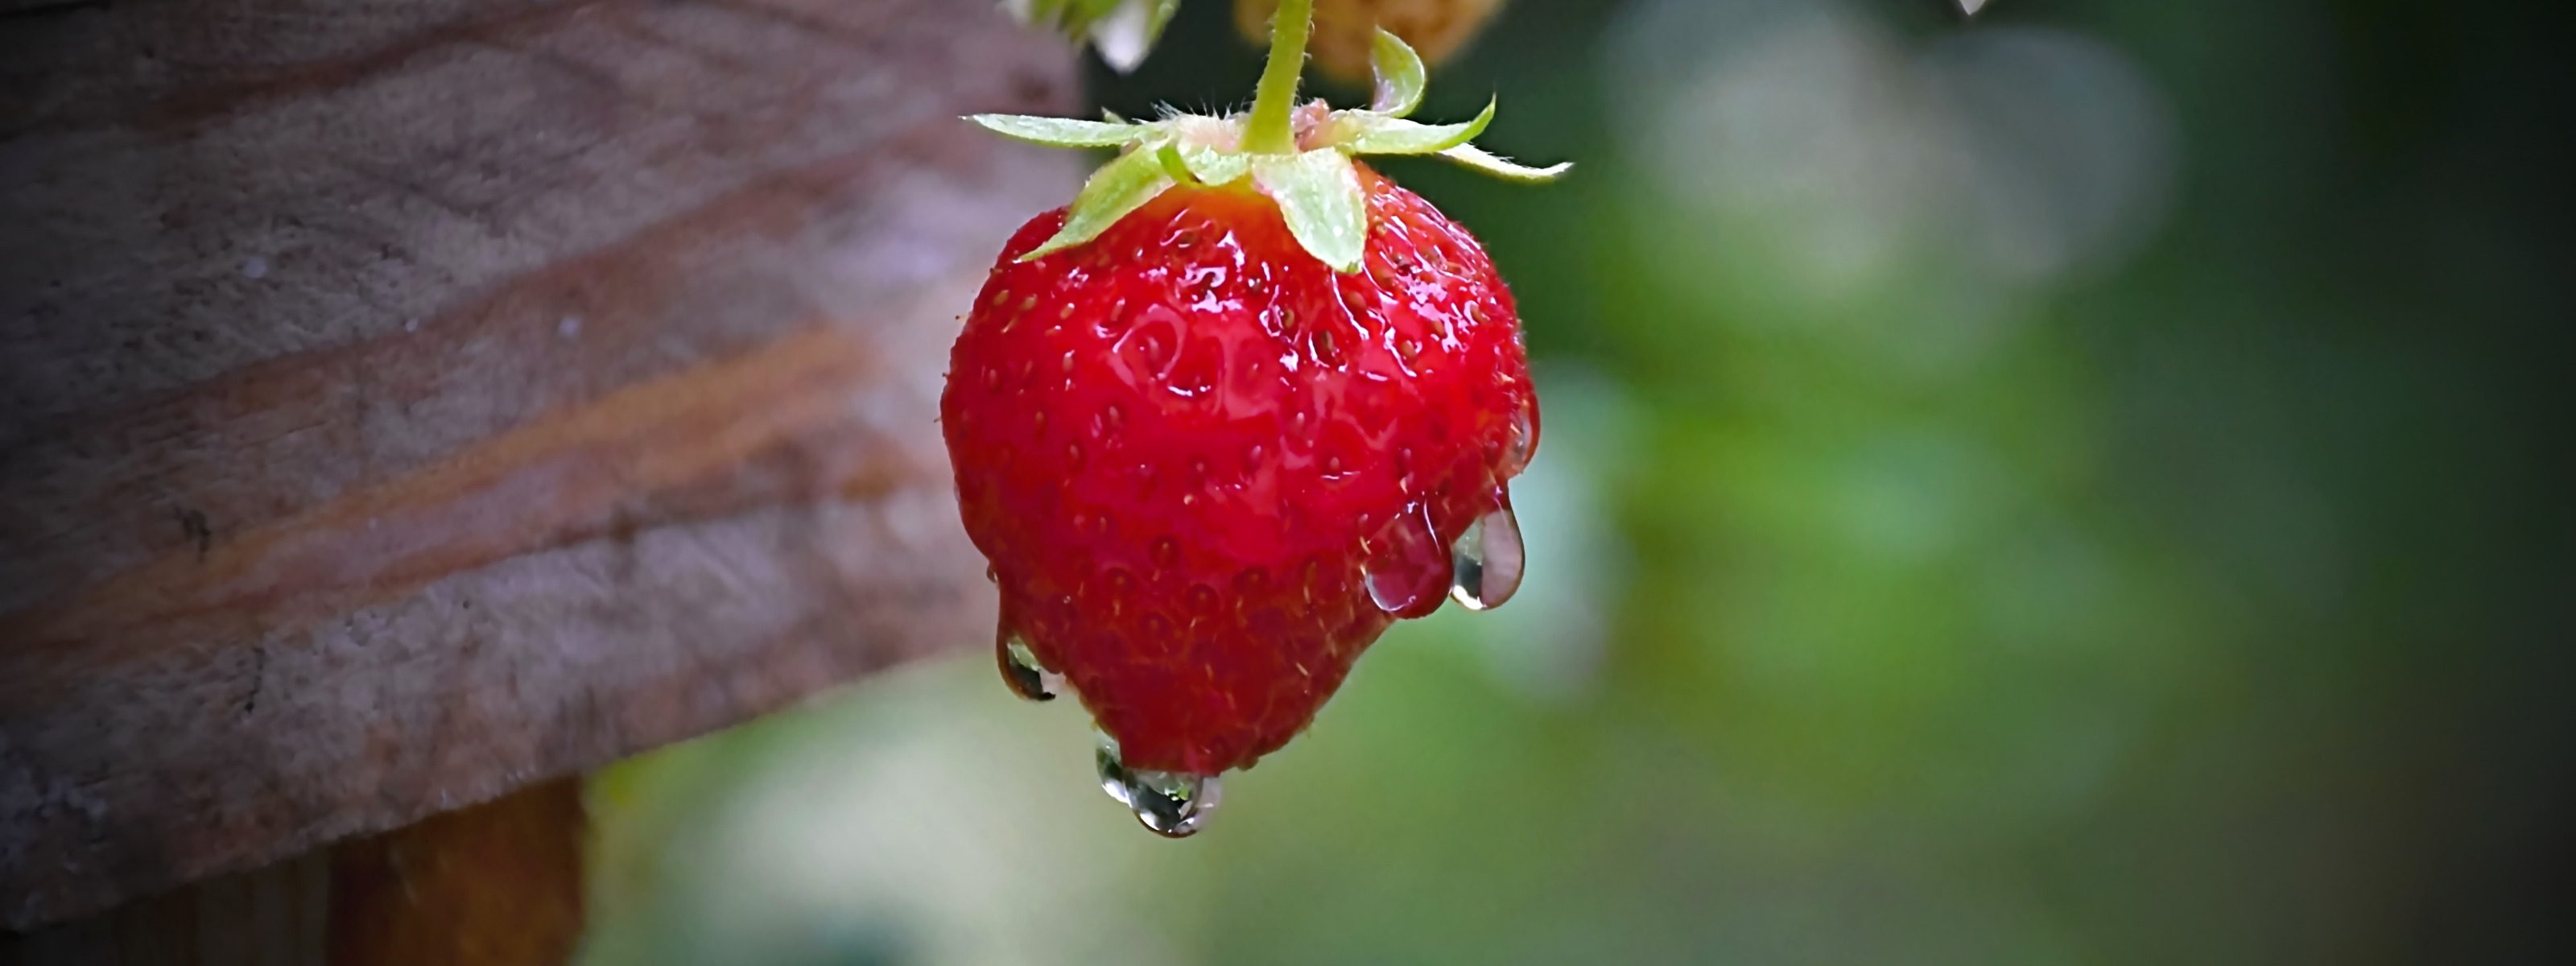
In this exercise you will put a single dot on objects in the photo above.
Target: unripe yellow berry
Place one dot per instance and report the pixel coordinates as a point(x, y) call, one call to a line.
point(1344, 29)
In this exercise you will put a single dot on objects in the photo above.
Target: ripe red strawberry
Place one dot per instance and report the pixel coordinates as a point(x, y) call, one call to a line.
point(1227, 417)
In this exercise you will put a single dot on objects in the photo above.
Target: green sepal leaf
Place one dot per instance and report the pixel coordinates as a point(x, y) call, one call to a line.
point(1368, 132)
point(1126, 33)
point(1119, 187)
point(1213, 167)
point(1059, 132)
point(1071, 17)
point(1482, 160)
point(1168, 155)
point(1399, 72)
point(1319, 193)
point(1163, 11)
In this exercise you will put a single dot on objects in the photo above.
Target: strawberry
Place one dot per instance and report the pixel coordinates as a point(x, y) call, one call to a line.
point(1229, 415)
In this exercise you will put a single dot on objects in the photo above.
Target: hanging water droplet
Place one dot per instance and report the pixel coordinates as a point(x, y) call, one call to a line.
point(1407, 567)
point(1524, 438)
point(1021, 670)
point(1171, 804)
point(1486, 563)
point(1390, 594)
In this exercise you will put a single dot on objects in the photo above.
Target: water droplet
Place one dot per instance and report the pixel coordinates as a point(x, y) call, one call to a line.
point(1171, 804)
point(1524, 438)
point(1407, 567)
point(1021, 670)
point(1485, 565)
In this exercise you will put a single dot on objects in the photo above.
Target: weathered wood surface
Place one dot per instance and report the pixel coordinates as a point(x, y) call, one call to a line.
point(402, 401)
point(495, 884)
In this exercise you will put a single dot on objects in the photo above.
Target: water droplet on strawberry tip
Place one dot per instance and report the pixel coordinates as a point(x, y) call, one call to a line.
point(1407, 567)
point(1171, 804)
point(1486, 563)
point(1021, 670)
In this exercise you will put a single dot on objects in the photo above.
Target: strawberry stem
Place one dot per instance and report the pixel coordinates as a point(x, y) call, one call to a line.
point(1268, 130)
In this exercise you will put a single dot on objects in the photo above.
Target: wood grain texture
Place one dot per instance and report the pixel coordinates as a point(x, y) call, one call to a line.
point(275, 915)
point(495, 884)
point(402, 401)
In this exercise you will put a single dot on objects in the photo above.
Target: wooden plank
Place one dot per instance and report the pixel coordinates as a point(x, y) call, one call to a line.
point(495, 884)
point(402, 402)
point(275, 915)
point(499, 884)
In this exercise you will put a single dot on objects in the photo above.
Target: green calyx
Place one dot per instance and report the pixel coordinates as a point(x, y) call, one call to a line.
point(1123, 31)
point(1298, 155)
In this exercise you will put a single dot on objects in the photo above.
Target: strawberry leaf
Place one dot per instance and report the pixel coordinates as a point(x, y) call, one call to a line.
point(1072, 17)
point(1319, 193)
point(1119, 187)
point(1168, 155)
point(1124, 31)
point(1213, 167)
point(1399, 75)
point(1059, 132)
point(1126, 34)
point(1482, 160)
point(1372, 133)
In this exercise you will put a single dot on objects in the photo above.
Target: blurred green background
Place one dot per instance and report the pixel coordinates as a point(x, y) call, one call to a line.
point(2078, 485)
